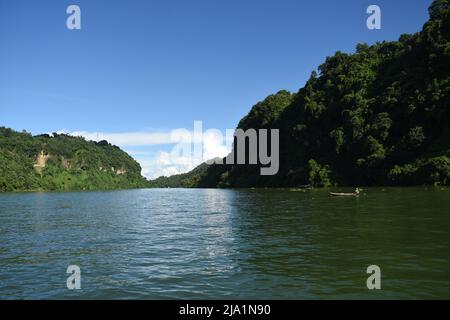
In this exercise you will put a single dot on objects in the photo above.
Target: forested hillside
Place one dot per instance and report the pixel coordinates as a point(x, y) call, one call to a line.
point(380, 116)
point(62, 162)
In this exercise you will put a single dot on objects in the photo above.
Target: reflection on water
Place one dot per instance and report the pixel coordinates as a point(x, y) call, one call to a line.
point(207, 243)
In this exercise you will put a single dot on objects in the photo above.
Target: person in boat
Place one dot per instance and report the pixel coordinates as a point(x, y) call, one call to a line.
point(355, 193)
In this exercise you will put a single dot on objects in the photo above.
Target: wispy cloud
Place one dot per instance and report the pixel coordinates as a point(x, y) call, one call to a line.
point(126, 139)
point(156, 163)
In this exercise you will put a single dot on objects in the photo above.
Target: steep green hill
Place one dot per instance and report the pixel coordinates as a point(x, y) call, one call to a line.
point(380, 116)
point(62, 162)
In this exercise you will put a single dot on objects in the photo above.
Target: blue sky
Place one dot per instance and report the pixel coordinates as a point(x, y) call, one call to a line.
point(148, 67)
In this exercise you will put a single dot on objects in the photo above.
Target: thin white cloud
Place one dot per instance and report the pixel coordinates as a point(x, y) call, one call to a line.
point(184, 159)
point(188, 149)
point(126, 139)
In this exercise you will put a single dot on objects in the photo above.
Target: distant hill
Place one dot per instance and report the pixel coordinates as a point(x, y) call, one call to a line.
point(380, 116)
point(61, 162)
point(196, 178)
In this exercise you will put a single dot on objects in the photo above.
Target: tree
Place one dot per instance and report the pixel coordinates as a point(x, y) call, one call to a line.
point(437, 7)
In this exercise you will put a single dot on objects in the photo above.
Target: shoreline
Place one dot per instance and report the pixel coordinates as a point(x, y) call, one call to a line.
point(290, 189)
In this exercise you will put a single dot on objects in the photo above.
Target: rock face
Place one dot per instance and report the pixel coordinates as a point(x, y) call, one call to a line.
point(120, 171)
point(41, 161)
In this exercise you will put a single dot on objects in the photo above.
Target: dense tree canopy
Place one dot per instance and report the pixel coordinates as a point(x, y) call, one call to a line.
point(62, 162)
point(380, 116)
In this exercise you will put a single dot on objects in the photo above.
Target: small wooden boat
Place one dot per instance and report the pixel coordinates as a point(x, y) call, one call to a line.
point(343, 194)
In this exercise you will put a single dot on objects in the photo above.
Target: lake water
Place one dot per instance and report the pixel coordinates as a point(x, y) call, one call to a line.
point(206, 243)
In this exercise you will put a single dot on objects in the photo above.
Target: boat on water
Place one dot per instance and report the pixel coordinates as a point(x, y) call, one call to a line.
point(344, 194)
